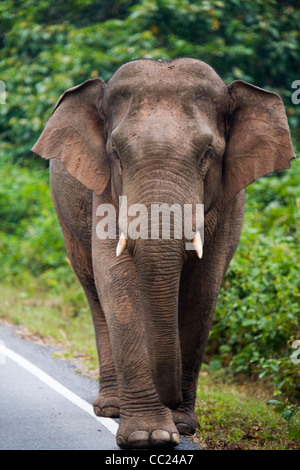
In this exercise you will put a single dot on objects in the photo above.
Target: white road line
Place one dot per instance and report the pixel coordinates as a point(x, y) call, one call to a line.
point(108, 423)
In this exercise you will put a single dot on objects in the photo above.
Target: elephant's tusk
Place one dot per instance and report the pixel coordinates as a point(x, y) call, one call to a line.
point(198, 244)
point(121, 244)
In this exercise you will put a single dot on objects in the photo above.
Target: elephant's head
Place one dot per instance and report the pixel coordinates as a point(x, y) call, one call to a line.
point(164, 122)
point(167, 132)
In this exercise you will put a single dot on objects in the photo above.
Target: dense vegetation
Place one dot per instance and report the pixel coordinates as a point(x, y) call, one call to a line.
point(48, 46)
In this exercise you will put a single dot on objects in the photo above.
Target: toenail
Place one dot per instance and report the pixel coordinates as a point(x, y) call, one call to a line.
point(110, 411)
point(175, 438)
point(139, 438)
point(160, 435)
point(120, 441)
point(97, 410)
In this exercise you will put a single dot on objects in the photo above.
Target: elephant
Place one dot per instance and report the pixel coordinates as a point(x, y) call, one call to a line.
point(158, 132)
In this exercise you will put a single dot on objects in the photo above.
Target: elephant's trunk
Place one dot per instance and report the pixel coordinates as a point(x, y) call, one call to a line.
point(158, 265)
point(159, 257)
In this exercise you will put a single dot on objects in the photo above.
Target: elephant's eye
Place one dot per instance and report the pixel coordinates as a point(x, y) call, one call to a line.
point(205, 160)
point(208, 154)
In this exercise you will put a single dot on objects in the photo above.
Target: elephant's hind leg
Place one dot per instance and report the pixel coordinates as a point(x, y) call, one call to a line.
point(107, 401)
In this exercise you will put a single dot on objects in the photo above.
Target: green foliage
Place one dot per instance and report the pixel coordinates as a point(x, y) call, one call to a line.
point(235, 417)
point(48, 46)
point(31, 242)
point(288, 412)
point(257, 316)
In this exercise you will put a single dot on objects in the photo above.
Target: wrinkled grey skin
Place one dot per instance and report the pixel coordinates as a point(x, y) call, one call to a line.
point(158, 132)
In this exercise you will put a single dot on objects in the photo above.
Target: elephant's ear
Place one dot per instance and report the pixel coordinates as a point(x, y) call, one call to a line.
point(259, 139)
point(74, 134)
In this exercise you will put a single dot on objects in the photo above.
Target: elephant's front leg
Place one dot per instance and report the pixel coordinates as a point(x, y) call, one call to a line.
point(197, 301)
point(200, 285)
point(144, 420)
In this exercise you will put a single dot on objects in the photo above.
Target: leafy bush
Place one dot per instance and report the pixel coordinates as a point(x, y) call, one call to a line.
point(257, 316)
point(288, 412)
point(31, 242)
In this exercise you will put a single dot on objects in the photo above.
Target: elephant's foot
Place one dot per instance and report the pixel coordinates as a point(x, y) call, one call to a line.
point(143, 432)
point(186, 421)
point(108, 407)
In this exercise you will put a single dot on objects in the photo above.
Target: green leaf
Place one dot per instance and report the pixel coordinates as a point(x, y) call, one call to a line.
point(287, 414)
point(274, 402)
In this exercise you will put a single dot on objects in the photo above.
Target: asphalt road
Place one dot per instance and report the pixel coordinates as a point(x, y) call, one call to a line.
point(45, 405)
